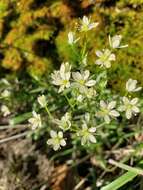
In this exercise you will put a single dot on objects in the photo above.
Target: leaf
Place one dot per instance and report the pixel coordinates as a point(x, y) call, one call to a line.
point(119, 182)
point(126, 167)
point(20, 118)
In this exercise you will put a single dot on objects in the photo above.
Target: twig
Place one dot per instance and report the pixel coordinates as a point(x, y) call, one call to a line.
point(14, 137)
point(3, 127)
point(79, 185)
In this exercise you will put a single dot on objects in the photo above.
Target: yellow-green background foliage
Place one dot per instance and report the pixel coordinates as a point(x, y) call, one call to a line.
point(33, 34)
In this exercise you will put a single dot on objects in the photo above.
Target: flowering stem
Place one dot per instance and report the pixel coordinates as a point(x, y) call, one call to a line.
point(73, 48)
point(47, 110)
point(84, 47)
point(69, 102)
point(102, 124)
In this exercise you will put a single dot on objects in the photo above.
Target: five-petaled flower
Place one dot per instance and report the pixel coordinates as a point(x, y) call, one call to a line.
point(5, 110)
point(130, 107)
point(105, 58)
point(82, 80)
point(61, 77)
point(64, 123)
point(35, 121)
point(42, 101)
point(115, 42)
point(56, 140)
point(87, 25)
point(107, 111)
point(86, 133)
point(131, 86)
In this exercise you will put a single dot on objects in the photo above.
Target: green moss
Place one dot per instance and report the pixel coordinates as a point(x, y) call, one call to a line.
point(23, 24)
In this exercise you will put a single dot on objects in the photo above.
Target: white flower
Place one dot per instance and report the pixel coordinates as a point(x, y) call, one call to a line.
point(87, 134)
point(71, 38)
point(42, 101)
point(131, 86)
point(65, 122)
point(5, 94)
point(61, 77)
point(115, 42)
point(105, 58)
point(5, 110)
point(82, 80)
point(130, 107)
point(86, 25)
point(35, 121)
point(56, 140)
point(107, 111)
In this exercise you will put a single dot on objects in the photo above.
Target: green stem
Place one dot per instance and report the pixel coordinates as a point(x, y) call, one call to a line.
point(69, 102)
point(102, 124)
point(49, 114)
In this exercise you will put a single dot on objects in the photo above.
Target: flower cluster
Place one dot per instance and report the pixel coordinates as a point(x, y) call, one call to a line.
point(85, 106)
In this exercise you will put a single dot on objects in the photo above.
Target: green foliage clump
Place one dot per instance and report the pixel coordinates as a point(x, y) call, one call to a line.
point(23, 29)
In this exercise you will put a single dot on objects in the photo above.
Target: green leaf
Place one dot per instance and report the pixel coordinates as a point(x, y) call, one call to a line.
point(119, 182)
point(20, 118)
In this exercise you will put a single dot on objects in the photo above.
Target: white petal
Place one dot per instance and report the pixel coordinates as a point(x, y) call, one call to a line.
point(85, 20)
point(135, 109)
point(111, 105)
point(49, 141)
point(126, 100)
point(31, 120)
point(63, 142)
point(103, 104)
point(34, 113)
point(92, 129)
point(70, 38)
point(76, 76)
point(128, 114)
point(114, 113)
point(107, 64)
point(107, 119)
point(99, 62)
point(92, 139)
point(134, 101)
point(90, 83)
point(83, 141)
point(86, 74)
point(137, 89)
point(93, 25)
point(62, 69)
point(53, 134)
point(56, 147)
point(60, 134)
point(99, 53)
point(112, 57)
